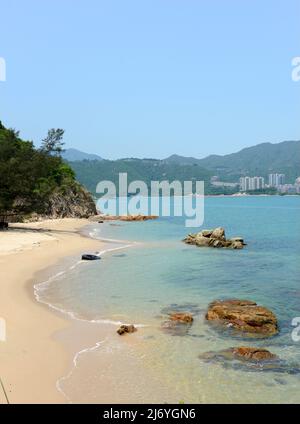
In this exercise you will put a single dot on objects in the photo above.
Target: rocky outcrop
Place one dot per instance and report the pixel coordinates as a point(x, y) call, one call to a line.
point(74, 202)
point(127, 218)
point(214, 238)
point(244, 316)
point(124, 329)
point(241, 353)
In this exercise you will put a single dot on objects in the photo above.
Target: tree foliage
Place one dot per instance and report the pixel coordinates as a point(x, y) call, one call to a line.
point(53, 143)
point(28, 176)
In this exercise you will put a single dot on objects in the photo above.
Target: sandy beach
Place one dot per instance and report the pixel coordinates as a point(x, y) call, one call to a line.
point(31, 359)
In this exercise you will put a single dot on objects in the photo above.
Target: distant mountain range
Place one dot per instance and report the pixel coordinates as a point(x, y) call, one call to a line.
point(89, 173)
point(72, 155)
point(259, 160)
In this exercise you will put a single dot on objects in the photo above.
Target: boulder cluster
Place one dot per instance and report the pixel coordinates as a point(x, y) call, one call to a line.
point(246, 318)
point(241, 318)
point(237, 316)
point(127, 218)
point(214, 238)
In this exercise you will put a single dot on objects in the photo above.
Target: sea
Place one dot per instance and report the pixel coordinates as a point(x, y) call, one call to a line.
point(146, 271)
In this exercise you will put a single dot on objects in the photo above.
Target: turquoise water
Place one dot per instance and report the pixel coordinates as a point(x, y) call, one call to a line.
point(138, 284)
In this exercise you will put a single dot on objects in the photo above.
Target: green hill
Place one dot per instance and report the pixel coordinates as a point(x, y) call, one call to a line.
point(260, 160)
point(257, 160)
point(89, 173)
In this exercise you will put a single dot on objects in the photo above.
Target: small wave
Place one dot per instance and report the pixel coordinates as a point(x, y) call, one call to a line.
point(44, 285)
point(75, 361)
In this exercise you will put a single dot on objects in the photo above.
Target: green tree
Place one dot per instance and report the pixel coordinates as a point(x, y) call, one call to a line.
point(53, 143)
point(28, 176)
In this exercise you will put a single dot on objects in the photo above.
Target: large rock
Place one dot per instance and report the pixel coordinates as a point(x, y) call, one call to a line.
point(243, 315)
point(214, 238)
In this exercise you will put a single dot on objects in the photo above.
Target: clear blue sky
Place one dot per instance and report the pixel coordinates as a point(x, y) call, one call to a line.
point(148, 78)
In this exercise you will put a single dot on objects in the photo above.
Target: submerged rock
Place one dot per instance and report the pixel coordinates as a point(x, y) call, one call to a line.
point(191, 308)
point(181, 317)
point(249, 359)
point(126, 329)
point(214, 238)
point(176, 328)
point(241, 353)
point(243, 315)
point(178, 323)
point(253, 354)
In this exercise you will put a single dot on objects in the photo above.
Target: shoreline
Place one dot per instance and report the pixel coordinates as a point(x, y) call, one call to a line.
point(60, 337)
point(32, 360)
point(62, 356)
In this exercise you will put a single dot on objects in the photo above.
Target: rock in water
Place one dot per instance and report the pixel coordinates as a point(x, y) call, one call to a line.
point(214, 238)
point(178, 323)
point(250, 359)
point(127, 218)
point(126, 329)
point(88, 257)
point(252, 354)
point(241, 353)
point(218, 233)
point(137, 217)
point(243, 315)
point(176, 328)
point(181, 317)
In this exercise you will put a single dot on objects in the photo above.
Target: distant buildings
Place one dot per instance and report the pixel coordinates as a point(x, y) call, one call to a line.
point(290, 188)
point(252, 183)
point(215, 182)
point(276, 180)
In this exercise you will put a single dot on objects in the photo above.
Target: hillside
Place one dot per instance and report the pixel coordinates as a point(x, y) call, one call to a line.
point(74, 155)
point(261, 159)
point(89, 173)
point(256, 160)
point(38, 181)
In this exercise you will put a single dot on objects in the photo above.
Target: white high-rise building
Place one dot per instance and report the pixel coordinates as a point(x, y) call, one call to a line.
point(276, 180)
point(252, 183)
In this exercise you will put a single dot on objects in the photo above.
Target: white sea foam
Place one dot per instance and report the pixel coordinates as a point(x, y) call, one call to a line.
point(75, 362)
point(44, 285)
